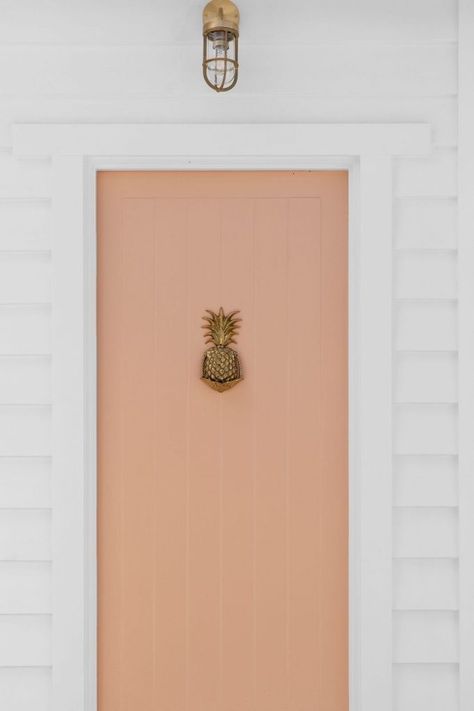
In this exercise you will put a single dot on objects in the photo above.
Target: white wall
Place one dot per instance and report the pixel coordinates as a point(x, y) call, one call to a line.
point(311, 60)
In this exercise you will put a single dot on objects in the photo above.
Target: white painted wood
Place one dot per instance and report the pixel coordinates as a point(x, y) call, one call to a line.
point(25, 534)
point(25, 329)
point(425, 636)
point(25, 277)
point(426, 687)
point(75, 72)
point(419, 275)
point(25, 482)
point(25, 224)
point(425, 532)
point(425, 429)
point(425, 480)
point(25, 588)
point(25, 688)
point(25, 379)
point(427, 176)
point(440, 112)
point(466, 351)
point(24, 179)
point(429, 325)
point(25, 430)
point(25, 640)
point(149, 22)
point(221, 140)
point(425, 584)
point(74, 622)
point(426, 223)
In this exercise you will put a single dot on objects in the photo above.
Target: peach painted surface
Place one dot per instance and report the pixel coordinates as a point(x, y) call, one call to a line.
point(223, 518)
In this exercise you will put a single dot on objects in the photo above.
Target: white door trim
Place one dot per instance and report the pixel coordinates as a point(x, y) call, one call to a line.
point(78, 152)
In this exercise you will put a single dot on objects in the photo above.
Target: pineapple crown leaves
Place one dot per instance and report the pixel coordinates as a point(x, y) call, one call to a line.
point(221, 328)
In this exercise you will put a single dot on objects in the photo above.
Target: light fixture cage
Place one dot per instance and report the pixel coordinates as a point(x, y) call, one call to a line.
point(220, 63)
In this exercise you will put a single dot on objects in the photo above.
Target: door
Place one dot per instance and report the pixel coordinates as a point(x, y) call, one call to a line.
point(222, 516)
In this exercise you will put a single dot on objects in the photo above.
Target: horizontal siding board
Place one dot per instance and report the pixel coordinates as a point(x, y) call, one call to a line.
point(424, 584)
point(25, 588)
point(25, 640)
point(426, 687)
point(425, 532)
point(24, 178)
point(425, 377)
point(425, 480)
point(425, 429)
point(426, 325)
point(420, 274)
point(25, 430)
point(25, 535)
point(25, 225)
point(346, 70)
point(431, 175)
point(25, 689)
point(426, 223)
point(25, 277)
point(25, 379)
point(25, 329)
point(425, 636)
point(148, 22)
point(25, 482)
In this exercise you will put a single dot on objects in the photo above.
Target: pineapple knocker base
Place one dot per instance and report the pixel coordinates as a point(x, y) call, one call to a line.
point(221, 365)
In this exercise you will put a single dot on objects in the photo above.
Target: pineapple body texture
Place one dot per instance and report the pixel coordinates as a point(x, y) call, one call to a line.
point(221, 365)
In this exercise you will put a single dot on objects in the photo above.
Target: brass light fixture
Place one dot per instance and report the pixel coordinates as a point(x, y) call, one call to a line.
point(220, 31)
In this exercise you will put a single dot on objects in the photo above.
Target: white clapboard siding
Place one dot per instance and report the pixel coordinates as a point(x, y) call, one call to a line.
point(25, 688)
point(425, 532)
point(24, 178)
point(25, 379)
point(425, 377)
point(426, 687)
point(440, 112)
point(425, 480)
point(422, 275)
point(425, 223)
point(25, 277)
point(25, 430)
point(325, 21)
point(25, 587)
point(426, 176)
point(425, 584)
point(425, 636)
point(371, 61)
point(425, 325)
point(345, 70)
point(25, 482)
point(425, 429)
point(25, 640)
point(25, 224)
point(25, 534)
point(25, 329)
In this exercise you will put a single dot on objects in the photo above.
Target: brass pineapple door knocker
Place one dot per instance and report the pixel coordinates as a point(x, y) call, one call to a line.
point(221, 365)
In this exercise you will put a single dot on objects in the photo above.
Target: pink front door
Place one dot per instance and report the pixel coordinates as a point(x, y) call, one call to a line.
point(223, 517)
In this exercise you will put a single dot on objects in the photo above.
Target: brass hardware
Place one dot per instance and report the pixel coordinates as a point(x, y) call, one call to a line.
point(220, 65)
point(221, 365)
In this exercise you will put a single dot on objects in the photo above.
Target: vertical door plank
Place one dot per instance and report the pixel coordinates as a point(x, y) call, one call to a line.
point(205, 453)
point(271, 451)
point(172, 374)
point(237, 548)
point(305, 570)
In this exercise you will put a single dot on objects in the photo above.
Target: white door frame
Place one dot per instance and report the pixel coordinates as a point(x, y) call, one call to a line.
point(78, 152)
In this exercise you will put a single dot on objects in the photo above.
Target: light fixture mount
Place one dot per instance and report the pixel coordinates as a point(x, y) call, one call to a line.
point(220, 30)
